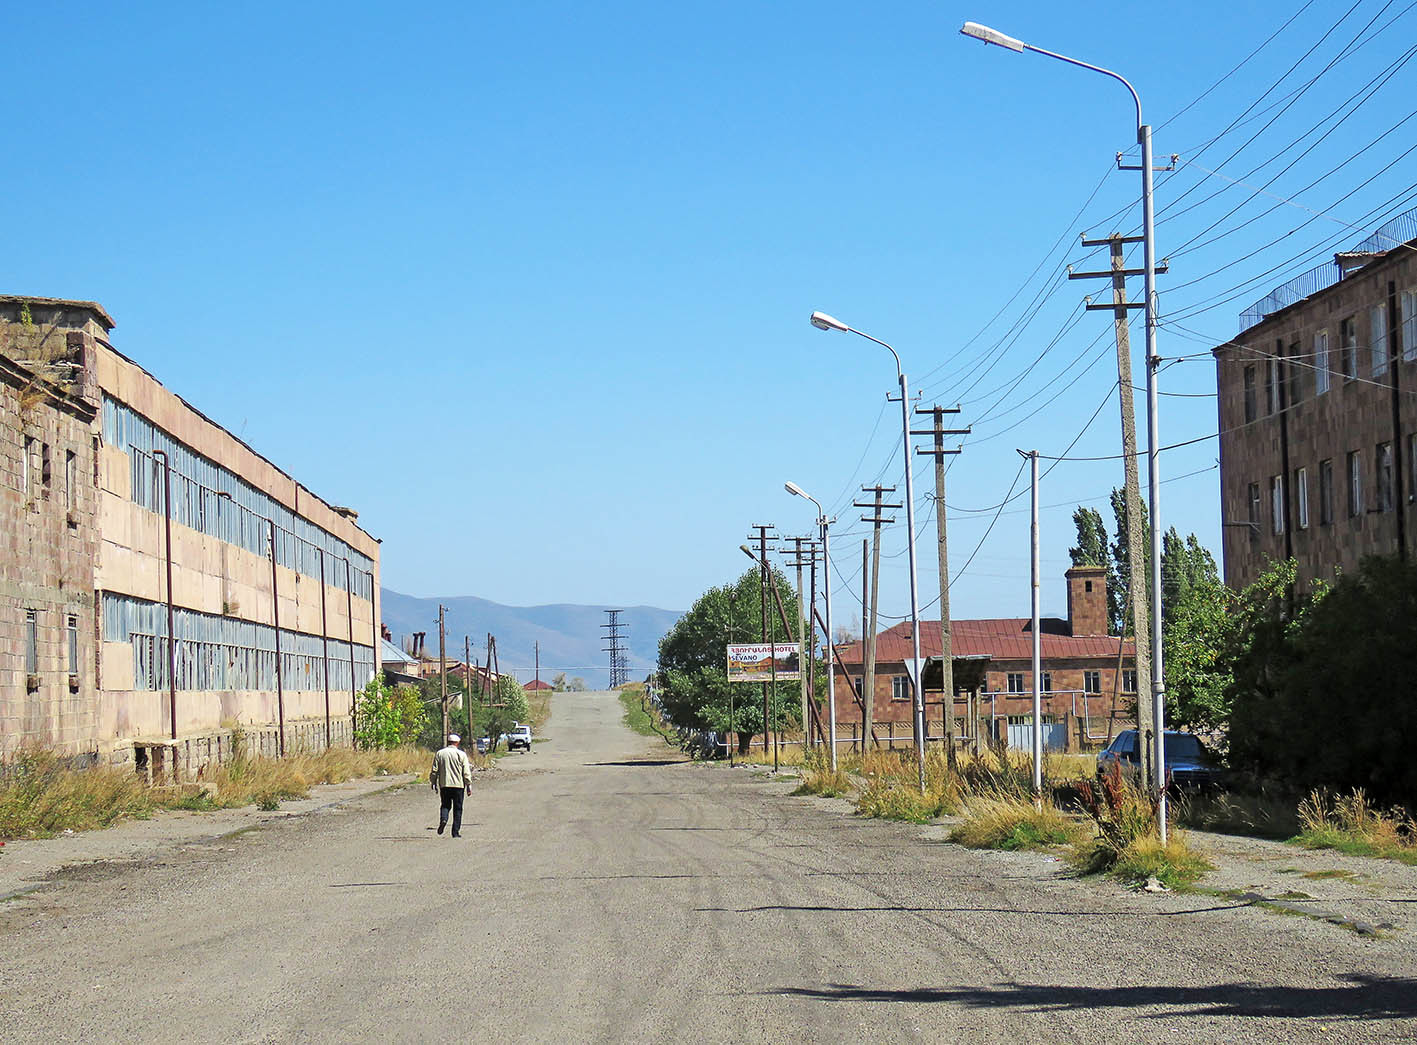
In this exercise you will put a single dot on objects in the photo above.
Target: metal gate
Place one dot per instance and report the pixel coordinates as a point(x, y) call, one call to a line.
point(1021, 733)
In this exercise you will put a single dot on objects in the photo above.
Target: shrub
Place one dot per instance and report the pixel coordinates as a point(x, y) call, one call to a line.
point(1127, 841)
point(389, 716)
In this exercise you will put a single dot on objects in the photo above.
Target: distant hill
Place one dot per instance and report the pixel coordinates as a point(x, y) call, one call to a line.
point(571, 636)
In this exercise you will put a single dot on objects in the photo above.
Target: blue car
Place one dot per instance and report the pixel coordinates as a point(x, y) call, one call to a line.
point(1189, 764)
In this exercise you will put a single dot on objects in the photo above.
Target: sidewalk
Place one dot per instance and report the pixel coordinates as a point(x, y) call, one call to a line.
point(26, 865)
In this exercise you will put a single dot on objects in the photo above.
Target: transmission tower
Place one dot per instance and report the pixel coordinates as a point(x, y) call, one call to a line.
point(619, 672)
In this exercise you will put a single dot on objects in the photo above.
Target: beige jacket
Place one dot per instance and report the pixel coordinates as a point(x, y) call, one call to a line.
point(451, 768)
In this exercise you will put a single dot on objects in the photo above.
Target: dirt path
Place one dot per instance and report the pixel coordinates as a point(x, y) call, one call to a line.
point(606, 891)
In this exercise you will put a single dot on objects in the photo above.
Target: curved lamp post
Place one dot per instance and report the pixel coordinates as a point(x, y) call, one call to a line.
point(1158, 685)
point(822, 321)
point(823, 525)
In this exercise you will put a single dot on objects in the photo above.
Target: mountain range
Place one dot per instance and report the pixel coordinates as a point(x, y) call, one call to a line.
point(570, 636)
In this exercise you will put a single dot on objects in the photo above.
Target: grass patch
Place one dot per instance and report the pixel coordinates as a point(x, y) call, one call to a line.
point(818, 778)
point(1329, 873)
point(1007, 823)
point(642, 716)
point(41, 796)
point(1350, 824)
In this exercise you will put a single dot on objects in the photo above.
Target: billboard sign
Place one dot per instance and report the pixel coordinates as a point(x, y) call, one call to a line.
point(754, 661)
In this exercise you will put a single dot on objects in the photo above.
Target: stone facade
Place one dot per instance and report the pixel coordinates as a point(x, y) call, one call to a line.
point(232, 513)
point(1318, 427)
point(48, 537)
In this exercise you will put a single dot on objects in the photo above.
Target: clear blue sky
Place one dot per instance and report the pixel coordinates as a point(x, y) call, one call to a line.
point(528, 285)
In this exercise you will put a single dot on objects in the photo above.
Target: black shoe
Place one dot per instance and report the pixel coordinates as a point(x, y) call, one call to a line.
point(441, 826)
point(456, 835)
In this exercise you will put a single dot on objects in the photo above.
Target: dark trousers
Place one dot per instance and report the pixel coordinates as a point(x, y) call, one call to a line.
point(451, 797)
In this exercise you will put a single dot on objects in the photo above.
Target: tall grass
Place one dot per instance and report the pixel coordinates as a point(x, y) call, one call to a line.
point(1007, 822)
point(1350, 824)
point(40, 795)
point(818, 778)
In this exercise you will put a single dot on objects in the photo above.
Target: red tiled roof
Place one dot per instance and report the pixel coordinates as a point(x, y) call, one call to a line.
point(1007, 638)
point(536, 684)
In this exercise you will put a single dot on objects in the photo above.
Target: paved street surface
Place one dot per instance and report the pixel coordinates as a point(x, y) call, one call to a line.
point(605, 891)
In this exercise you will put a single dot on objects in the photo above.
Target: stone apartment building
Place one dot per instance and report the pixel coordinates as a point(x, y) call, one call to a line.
point(1318, 415)
point(107, 439)
point(1088, 677)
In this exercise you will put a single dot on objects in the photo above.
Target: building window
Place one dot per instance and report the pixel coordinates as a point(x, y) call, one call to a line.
point(1294, 378)
point(26, 464)
point(1355, 484)
point(1276, 503)
point(71, 478)
point(1301, 497)
point(31, 642)
point(1129, 680)
point(1377, 330)
point(1047, 682)
point(1409, 325)
point(1254, 511)
point(46, 470)
point(1015, 682)
point(71, 628)
point(1271, 386)
point(1382, 476)
point(1249, 394)
point(1325, 492)
point(1321, 362)
point(1092, 681)
point(859, 686)
point(900, 687)
point(1348, 348)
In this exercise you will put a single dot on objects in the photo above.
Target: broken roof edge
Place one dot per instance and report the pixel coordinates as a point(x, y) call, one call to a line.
point(92, 306)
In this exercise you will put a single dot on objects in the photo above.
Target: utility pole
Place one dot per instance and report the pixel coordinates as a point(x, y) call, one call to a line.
point(467, 680)
point(1037, 687)
point(443, 666)
point(939, 453)
point(762, 537)
point(536, 648)
point(1131, 490)
point(878, 504)
point(613, 635)
point(803, 650)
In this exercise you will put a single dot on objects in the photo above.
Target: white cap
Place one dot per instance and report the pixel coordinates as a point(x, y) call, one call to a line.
point(453, 738)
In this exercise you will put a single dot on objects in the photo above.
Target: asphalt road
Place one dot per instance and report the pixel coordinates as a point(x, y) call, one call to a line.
point(606, 892)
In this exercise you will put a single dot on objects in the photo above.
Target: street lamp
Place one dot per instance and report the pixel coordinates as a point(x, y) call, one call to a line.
point(1158, 684)
point(823, 524)
point(822, 321)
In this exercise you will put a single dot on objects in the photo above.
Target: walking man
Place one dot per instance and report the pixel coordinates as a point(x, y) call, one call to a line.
point(451, 777)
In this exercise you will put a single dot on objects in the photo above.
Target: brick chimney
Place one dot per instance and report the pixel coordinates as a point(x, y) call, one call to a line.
point(1087, 600)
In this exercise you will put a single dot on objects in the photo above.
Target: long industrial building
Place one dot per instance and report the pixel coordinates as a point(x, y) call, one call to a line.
point(125, 508)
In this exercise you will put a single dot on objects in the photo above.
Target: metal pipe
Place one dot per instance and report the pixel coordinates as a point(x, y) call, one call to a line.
point(831, 647)
point(325, 647)
point(171, 634)
point(1037, 642)
point(275, 619)
point(353, 683)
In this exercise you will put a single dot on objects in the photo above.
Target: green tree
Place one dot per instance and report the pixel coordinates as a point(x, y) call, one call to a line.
point(1091, 548)
point(505, 707)
point(696, 692)
point(1197, 641)
point(1184, 566)
point(1119, 566)
point(389, 716)
point(1323, 688)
